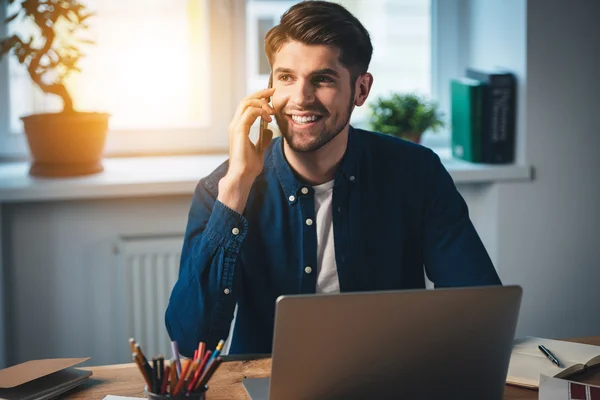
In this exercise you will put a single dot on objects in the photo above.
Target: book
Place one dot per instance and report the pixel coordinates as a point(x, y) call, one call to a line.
point(562, 389)
point(41, 379)
point(527, 362)
point(499, 114)
point(466, 118)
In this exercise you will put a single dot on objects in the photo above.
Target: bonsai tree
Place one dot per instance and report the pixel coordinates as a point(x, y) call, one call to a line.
point(50, 62)
point(405, 115)
point(68, 143)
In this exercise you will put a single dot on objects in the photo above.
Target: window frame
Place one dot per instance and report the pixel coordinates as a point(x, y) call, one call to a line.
point(449, 59)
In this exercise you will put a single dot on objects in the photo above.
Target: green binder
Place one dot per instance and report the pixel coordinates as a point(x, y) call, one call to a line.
point(466, 118)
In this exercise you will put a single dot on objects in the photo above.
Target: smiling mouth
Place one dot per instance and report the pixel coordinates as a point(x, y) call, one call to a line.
point(305, 120)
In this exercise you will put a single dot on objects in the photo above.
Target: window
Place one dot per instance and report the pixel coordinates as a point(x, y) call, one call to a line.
point(172, 73)
point(163, 70)
point(132, 72)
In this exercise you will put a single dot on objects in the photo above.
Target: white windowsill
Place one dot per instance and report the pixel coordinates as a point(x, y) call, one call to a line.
point(178, 175)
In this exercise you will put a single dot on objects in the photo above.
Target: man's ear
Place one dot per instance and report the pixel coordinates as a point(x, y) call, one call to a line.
point(362, 88)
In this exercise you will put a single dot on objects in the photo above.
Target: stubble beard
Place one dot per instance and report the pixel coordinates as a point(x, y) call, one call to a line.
point(323, 138)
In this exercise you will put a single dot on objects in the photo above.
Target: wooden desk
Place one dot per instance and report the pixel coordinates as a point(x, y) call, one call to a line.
point(125, 380)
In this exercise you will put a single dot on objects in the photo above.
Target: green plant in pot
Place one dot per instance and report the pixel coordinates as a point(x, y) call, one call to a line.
point(405, 115)
point(68, 143)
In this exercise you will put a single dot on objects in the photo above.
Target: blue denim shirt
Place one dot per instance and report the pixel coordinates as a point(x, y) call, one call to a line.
point(396, 212)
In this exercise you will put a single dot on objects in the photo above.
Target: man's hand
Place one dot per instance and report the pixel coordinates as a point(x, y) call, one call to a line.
point(245, 158)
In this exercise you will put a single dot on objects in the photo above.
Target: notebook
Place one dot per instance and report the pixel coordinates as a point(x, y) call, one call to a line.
point(527, 362)
point(41, 379)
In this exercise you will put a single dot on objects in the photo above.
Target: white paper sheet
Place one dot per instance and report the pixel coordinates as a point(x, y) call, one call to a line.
point(111, 397)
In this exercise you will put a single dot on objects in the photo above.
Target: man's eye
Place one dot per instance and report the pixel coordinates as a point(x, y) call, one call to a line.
point(285, 78)
point(323, 79)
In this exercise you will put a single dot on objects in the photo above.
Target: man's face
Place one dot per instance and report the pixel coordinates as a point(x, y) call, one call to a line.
point(313, 97)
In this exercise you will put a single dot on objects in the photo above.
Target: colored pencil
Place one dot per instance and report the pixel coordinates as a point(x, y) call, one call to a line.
point(173, 378)
point(163, 389)
point(175, 350)
point(201, 368)
point(201, 350)
point(154, 375)
point(137, 362)
point(132, 344)
point(184, 371)
point(210, 370)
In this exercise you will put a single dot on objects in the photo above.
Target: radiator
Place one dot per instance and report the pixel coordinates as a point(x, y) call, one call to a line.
point(149, 268)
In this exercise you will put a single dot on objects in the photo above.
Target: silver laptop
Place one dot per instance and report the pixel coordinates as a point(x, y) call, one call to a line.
point(416, 344)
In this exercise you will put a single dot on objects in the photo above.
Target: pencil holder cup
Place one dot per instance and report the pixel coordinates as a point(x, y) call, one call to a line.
point(192, 396)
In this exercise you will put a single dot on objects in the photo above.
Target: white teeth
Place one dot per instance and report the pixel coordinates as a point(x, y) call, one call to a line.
point(304, 120)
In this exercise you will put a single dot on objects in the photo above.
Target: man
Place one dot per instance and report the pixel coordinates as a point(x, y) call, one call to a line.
point(328, 208)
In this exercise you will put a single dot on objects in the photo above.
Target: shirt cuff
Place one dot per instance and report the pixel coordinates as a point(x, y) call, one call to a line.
point(226, 227)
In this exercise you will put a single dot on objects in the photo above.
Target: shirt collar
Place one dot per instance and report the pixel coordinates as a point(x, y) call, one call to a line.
point(347, 171)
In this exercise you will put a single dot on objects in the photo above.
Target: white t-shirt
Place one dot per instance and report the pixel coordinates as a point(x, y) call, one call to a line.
point(327, 276)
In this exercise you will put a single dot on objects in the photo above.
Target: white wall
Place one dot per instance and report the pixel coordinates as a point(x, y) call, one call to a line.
point(61, 271)
point(547, 232)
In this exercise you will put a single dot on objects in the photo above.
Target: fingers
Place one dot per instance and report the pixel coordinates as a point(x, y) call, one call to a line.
point(250, 108)
point(253, 102)
point(260, 104)
point(262, 94)
point(250, 115)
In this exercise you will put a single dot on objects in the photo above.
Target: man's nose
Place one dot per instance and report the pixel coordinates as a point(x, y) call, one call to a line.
point(303, 92)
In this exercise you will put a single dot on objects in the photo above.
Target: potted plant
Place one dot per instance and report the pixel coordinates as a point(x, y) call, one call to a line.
point(66, 143)
point(405, 115)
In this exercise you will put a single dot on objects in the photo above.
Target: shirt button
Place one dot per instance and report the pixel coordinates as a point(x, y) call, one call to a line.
point(304, 190)
point(235, 231)
point(308, 270)
point(291, 198)
point(339, 209)
point(352, 178)
point(309, 221)
point(226, 291)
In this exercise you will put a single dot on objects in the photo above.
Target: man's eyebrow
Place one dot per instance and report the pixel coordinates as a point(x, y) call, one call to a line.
point(326, 71)
point(282, 70)
point(322, 71)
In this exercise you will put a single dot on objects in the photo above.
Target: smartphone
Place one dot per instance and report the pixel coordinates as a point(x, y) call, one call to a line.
point(264, 124)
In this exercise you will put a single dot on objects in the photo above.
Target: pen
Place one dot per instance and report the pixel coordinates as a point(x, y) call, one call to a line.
point(548, 354)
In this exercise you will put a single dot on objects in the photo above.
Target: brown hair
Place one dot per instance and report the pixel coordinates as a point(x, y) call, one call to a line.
point(324, 23)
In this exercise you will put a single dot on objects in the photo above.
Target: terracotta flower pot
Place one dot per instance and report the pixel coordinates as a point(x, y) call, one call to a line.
point(66, 144)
